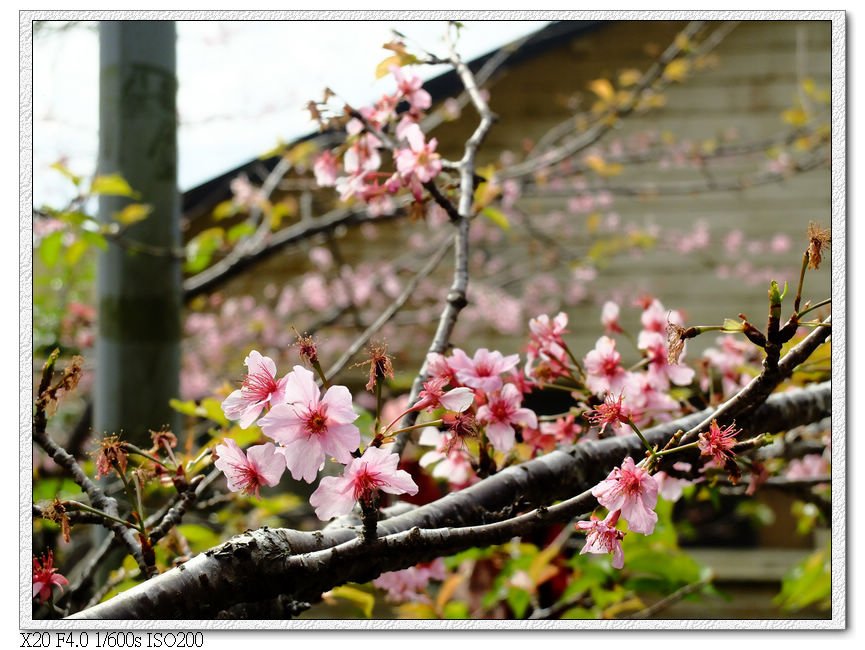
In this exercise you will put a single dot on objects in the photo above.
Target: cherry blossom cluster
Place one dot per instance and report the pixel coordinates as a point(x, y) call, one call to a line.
point(410, 585)
point(496, 389)
point(307, 427)
point(357, 172)
point(645, 393)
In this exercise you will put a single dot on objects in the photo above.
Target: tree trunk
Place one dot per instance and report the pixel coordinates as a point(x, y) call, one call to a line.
point(138, 345)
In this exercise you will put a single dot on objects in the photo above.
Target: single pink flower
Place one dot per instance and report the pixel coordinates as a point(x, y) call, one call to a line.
point(501, 412)
point(433, 396)
point(565, 429)
point(325, 169)
point(670, 487)
point(483, 370)
point(718, 443)
point(548, 333)
point(661, 371)
point(610, 318)
point(612, 413)
point(420, 159)
point(438, 367)
point(452, 462)
point(632, 490)
point(603, 537)
point(409, 86)
point(604, 372)
point(247, 472)
point(311, 427)
point(375, 470)
point(45, 577)
point(654, 320)
point(260, 387)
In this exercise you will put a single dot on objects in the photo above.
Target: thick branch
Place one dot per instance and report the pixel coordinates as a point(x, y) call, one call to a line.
point(264, 564)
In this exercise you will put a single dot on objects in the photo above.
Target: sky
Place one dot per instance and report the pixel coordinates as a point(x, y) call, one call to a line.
point(242, 86)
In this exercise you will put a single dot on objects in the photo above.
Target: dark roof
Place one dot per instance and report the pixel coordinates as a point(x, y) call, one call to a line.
point(201, 199)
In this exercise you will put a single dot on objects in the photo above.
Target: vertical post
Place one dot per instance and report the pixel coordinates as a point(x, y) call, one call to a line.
point(139, 295)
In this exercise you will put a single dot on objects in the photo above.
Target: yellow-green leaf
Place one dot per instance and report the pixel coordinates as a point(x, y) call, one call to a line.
point(113, 185)
point(603, 89)
point(133, 213)
point(676, 70)
point(629, 77)
point(363, 600)
point(63, 169)
point(795, 117)
point(497, 217)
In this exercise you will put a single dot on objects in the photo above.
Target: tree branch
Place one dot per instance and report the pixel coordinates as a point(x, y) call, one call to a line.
point(264, 564)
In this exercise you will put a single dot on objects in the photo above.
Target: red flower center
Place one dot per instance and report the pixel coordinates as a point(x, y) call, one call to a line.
point(258, 386)
point(365, 485)
point(316, 421)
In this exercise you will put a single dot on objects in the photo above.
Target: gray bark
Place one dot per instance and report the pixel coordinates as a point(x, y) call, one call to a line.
point(138, 345)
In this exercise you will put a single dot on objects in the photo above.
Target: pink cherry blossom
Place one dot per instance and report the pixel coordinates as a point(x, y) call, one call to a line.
point(610, 318)
point(660, 371)
point(247, 472)
point(654, 320)
point(602, 537)
point(604, 372)
point(611, 413)
point(452, 462)
point(259, 389)
point(433, 396)
point(632, 490)
point(325, 169)
point(483, 370)
point(420, 159)
point(410, 585)
point(546, 332)
point(501, 412)
point(45, 577)
point(717, 442)
point(311, 427)
point(670, 487)
point(646, 400)
point(375, 470)
point(565, 429)
point(809, 466)
point(409, 86)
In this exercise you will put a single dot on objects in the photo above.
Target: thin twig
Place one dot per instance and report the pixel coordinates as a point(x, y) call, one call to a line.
point(391, 310)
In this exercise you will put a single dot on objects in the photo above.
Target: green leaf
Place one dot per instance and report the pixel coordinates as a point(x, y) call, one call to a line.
point(63, 169)
point(188, 407)
point(807, 583)
point(212, 409)
point(201, 248)
point(113, 185)
point(224, 210)
point(238, 231)
point(50, 247)
point(133, 213)
point(200, 537)
point(497, 217)
point(456, 609)
point(363, 600)
point(75, 251)
point(519, 601)
point(94, 239)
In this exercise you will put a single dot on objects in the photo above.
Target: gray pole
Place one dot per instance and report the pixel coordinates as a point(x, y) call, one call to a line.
point(138, 345)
